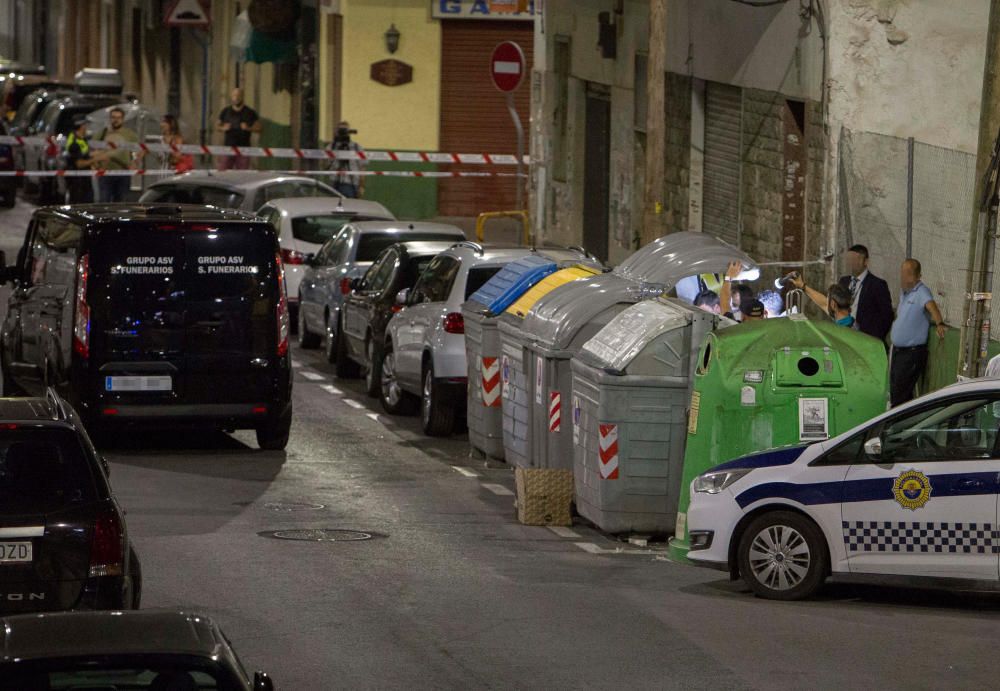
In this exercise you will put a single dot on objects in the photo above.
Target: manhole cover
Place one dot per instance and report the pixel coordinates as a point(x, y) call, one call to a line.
point(288, 506)
point(320, 535)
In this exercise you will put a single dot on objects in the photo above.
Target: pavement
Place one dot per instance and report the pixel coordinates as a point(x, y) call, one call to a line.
point(449, 591)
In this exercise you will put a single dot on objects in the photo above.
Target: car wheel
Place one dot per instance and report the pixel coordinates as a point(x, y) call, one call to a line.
point(346, 368)
point(436, 413)
point(307, 339)
point(395, 401)
point(274, 435)
point(373, 373)
point(135, 572)
point(331, 342)
point(783, 556)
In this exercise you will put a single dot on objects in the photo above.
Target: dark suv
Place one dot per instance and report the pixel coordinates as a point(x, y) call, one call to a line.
point(63, 544)
point(141, 313)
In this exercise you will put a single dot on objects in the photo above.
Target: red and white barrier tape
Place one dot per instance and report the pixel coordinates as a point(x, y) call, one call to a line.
point(283, 152)
point(221, 174)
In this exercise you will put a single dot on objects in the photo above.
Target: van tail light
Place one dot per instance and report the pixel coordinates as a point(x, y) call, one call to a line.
point(107, 547)
point(454, 323)
point(81, 321)
point(292, 257)
point(345, 286)
point(281, 312)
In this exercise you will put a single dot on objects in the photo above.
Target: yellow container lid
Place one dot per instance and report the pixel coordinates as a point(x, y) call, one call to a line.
point(547, 285)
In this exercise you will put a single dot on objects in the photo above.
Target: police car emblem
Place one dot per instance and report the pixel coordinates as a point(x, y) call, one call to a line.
point(912, 489)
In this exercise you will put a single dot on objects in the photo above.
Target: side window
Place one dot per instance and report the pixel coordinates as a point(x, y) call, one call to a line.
point(61, 240)
point(435, 283)
point(334, 250)
point(280, 190)
point(950, 431)
point(381, 273)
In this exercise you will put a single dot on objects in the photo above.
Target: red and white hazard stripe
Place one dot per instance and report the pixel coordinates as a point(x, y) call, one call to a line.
point(608, 453)
point(555, 411)
point(317, 173)
point(490, 367)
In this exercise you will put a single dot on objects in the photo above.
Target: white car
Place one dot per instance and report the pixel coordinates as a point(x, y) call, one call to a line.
point(304, 224)
point(909, 497)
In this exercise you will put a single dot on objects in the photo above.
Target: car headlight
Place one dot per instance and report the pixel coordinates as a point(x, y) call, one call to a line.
point(716, 481)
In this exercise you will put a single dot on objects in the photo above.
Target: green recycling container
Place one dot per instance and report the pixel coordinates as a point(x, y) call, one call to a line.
point(772, 383)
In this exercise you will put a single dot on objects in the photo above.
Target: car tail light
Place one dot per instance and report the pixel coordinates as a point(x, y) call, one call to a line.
point(396, 308)
point(454, 323)
point(292, 257)
point(345, 286)
point(107, 547)
point(281, 313)
point(81, 322)
point(51, 150)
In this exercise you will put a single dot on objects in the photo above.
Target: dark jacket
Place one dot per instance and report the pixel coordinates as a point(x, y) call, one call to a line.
point(874, 306)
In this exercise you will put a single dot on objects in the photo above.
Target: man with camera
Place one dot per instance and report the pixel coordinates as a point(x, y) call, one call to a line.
point(349, 181)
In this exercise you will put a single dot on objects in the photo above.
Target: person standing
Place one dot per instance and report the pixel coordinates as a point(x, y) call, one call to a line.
point(836, 302)
point(170, 134)
point(114, 188)
point(349, 181)
point(238, 122)
point(77, 153)
point(917, 311)
point(871, 304)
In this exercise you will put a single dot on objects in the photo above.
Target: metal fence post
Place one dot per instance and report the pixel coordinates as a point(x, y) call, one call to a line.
point(909, 197)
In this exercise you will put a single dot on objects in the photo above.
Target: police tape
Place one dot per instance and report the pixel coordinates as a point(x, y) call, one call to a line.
point(221, 174)
point(282, 152)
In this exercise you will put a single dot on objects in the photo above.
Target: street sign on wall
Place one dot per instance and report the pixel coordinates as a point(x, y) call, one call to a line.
point(196, 13)
point(507, 66)
point(479, 9)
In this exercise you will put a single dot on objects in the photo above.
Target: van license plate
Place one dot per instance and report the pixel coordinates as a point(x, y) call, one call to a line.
point(151, 383)
point(15, 552)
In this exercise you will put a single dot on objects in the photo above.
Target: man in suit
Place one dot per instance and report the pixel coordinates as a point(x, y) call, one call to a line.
point(871, 304)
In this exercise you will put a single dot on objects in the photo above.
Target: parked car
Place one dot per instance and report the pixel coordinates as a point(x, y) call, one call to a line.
point(8, 184)
point(423, 357)
point(303, 224)
point(245, 190)
point(64, 544)
point(141, 314)
point(18, 88)
point(32, 105)
point(98, 651)
point(372, 302)
point(346, 256)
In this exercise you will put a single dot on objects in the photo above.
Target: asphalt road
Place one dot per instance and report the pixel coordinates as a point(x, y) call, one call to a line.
point(451, 592)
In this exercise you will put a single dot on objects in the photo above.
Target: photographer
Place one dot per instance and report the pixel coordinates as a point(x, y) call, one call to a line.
point(349, 181)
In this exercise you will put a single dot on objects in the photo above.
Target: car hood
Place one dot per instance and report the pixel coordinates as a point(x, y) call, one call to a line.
point(766, 459)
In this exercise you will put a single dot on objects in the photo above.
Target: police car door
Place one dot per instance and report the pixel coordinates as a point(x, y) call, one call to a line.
point(921, 499)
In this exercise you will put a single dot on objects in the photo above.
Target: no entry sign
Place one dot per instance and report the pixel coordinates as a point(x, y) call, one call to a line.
point(507, 66)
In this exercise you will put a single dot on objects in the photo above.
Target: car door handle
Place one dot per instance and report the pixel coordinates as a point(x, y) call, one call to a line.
point(969, 484)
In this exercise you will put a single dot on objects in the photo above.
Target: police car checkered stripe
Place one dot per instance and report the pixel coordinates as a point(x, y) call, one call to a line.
point(906, 536)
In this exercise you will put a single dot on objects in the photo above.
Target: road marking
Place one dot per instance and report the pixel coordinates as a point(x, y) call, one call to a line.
point(564, 532)
point(314, 376)
point(296, 363)
point(589, 547)
point(465, 471)
point(354, 404)
point(374, 416)
point(330, 388)
point(499, 490)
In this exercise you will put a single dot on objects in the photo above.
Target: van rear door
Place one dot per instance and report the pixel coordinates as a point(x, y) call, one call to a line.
point(183, 313)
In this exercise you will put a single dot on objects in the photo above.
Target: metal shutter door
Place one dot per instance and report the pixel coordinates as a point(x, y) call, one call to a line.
point(723, 125)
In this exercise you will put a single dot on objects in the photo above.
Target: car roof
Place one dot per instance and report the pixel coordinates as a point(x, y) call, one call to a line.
point(302, 206)
point(232, 179)
point(403, 227)
point(68, 634)
point(152, 211)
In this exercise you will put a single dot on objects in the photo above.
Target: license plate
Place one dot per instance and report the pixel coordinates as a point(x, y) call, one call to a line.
point(15, 552)
point(145, 383)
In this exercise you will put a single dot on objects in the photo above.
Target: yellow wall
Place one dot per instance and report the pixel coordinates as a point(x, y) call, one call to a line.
point(399, 117)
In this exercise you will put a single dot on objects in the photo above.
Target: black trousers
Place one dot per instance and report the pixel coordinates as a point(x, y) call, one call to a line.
point(904, 371)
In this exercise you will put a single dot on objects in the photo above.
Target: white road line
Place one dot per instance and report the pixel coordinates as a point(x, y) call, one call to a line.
point(562, 531)
point(499, 490)
point(589, 547)
point(465, 471)
point(314, 376)
point(595, 549)
point(296, 364)
point(330, 388)
point(374, 416)
point(354, 404)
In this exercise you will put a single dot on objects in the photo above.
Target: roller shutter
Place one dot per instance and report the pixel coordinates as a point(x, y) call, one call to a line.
point(723, 124)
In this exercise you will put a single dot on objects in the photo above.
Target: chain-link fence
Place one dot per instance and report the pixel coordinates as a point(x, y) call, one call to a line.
point(904, 198)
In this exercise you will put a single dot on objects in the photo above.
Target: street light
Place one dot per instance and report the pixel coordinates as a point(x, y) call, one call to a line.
point(392, 38)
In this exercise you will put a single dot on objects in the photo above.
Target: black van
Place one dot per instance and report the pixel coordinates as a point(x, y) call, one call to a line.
point(139, 314)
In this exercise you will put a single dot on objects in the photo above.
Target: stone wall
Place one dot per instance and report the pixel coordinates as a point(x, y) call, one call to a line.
point(762, 175)
point(677, 171)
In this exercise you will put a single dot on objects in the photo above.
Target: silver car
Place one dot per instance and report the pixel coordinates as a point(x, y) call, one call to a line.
point(246, 190)
point(344, 257)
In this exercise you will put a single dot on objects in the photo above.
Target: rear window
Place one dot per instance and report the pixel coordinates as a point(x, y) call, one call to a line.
point(478, 277)
point(318, 229)
point(372, 244)
point(189, 194)
point(43, 470)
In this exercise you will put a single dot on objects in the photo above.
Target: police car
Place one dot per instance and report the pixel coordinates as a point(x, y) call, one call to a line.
point(908, 497)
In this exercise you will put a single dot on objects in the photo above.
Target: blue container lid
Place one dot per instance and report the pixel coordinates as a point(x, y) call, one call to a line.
point(513, 280)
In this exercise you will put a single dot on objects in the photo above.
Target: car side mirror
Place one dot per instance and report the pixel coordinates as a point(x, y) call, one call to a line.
point(873, 449)
point(311, 259)
point(402, 296)
point(357, 283)
point(262, 682)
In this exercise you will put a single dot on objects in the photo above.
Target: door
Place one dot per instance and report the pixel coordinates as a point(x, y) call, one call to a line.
point(321, 282)
point(357, 307)
point(597, 174)
point(928, 505)
point(414, 323)
point(721, 187)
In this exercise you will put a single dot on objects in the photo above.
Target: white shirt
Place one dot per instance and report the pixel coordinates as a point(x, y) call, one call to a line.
point(857, 292)
point(993, 368)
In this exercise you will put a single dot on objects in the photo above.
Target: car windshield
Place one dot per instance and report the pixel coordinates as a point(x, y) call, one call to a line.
point(478, 277)
point(42, 470)
point(189, 194)
point(319, 229)
point(372, 244)
point(57, 675)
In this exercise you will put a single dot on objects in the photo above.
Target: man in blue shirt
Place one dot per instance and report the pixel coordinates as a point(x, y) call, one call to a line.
point(917, 311)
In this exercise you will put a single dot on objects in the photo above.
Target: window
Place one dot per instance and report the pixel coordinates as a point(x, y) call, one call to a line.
point(43, 471)
point(380, 273)
point(189, 194)
point(949, 431)
point(334, 250)
point(435, 283)
point(319, 229)
point(477, 277)
point(372, 244)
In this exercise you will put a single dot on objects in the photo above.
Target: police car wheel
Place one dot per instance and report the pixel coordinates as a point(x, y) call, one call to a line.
point(783, 556)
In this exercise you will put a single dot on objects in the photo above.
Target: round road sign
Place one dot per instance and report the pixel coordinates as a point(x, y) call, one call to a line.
point(507, 66)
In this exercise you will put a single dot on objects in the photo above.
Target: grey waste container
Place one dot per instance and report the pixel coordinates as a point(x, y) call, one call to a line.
point(514, 392)
point(631, 384)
